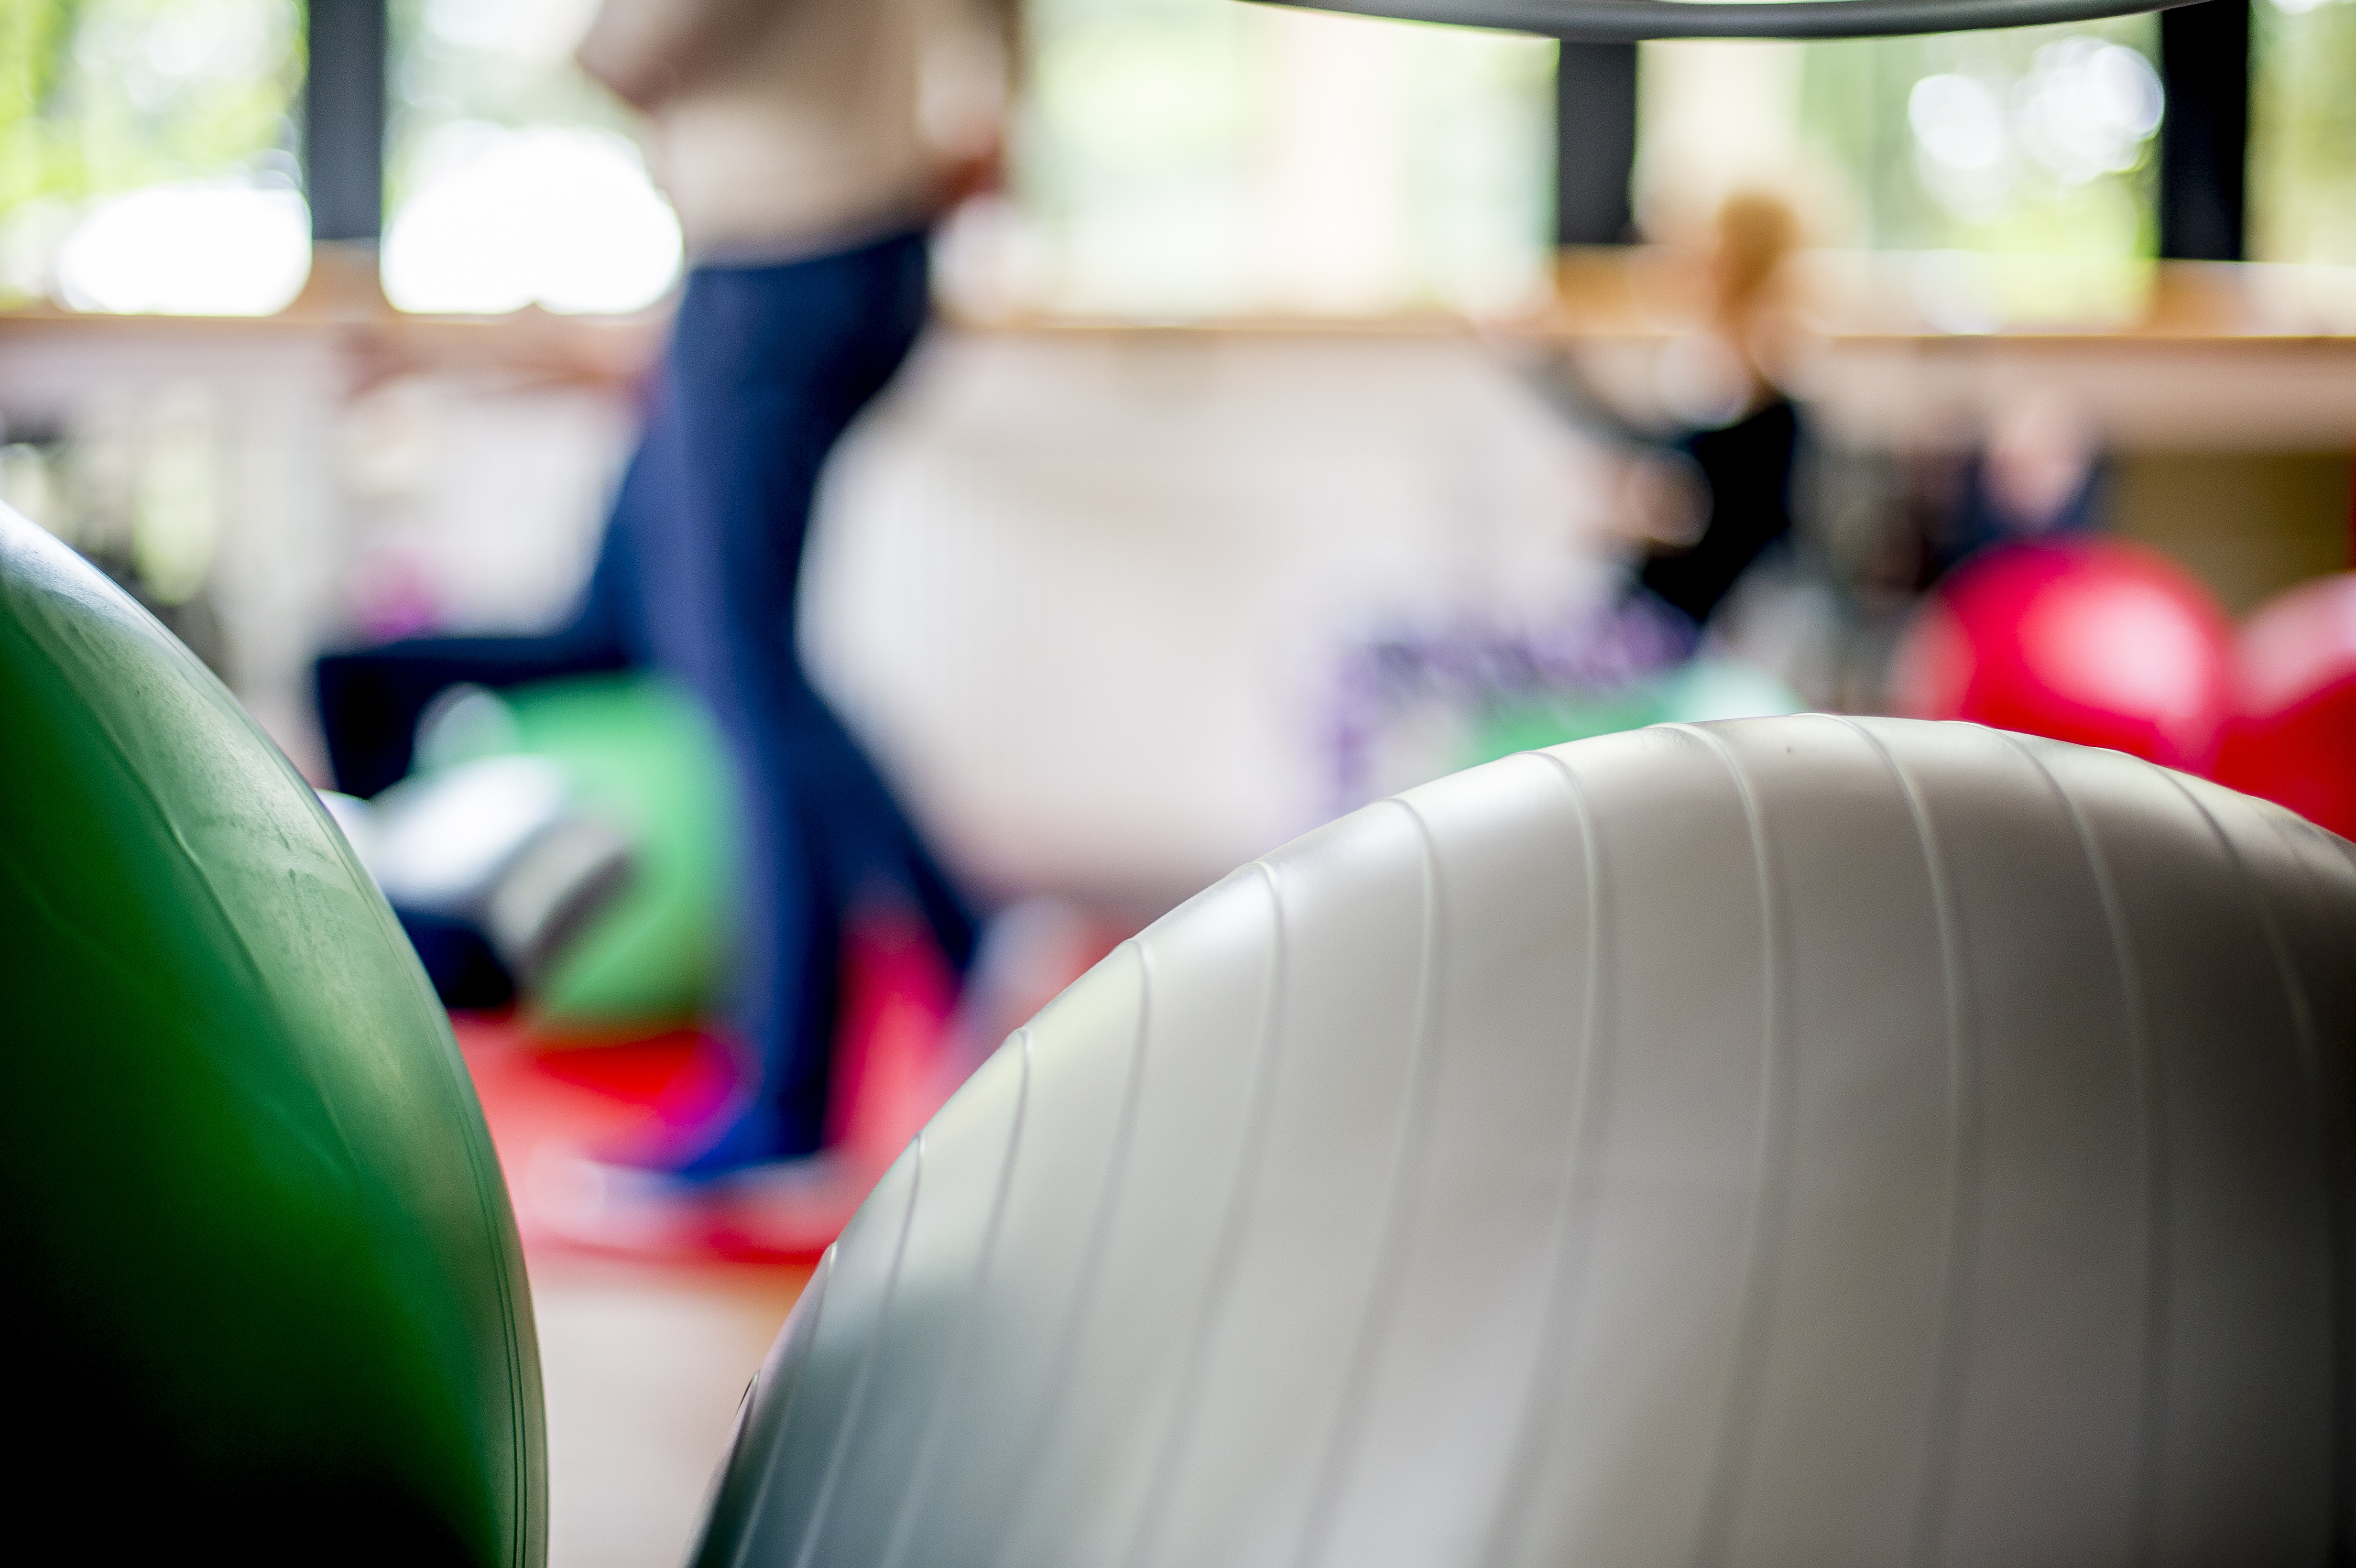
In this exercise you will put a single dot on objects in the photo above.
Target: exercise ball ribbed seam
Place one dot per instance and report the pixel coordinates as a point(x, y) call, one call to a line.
point(1788, 1141)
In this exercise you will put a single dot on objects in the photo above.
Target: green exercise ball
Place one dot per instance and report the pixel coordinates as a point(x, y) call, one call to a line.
point(642, 754)
point(1700, 689)
point(269, 1304)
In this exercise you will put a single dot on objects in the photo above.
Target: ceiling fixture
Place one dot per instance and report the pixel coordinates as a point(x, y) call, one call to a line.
point(1605, 20)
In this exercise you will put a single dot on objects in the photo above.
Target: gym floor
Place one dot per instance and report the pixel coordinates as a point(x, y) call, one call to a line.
point(644, 1365)
point(643, 1360)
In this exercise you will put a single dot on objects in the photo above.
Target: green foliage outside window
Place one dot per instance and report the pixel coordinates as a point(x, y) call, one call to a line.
point(2303, 133)
point(464, 64)
point(1193, 156)
point(2034, 148)
point(98, 97)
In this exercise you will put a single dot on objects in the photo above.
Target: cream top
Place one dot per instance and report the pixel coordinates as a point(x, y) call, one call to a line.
point(780, 129)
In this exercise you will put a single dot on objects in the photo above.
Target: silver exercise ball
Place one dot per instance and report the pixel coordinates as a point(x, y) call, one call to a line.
point(1802, 1141)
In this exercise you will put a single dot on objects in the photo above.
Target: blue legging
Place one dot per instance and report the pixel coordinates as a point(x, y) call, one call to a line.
point(696, 578)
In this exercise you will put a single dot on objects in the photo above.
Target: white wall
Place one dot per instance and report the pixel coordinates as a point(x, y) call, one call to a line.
point(1088, 592)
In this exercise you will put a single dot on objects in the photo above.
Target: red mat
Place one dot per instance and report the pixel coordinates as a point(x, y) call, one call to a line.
point(553, 1102)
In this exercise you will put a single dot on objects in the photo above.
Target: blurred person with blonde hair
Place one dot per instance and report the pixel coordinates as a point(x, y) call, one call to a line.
point(1746, 431)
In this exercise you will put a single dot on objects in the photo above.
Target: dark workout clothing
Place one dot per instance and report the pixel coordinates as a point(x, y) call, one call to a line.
point(696, 578)
point(1747, 466)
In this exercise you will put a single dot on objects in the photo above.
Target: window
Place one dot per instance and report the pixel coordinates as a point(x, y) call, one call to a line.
point(146, 155)
point(2303, 131)
point(2019, 164)
point(1190, 157)
point(511, 178)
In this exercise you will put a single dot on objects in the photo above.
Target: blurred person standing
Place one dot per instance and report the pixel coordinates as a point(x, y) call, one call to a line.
point(1748, 433)
point(793, 140)
point(2040, 475)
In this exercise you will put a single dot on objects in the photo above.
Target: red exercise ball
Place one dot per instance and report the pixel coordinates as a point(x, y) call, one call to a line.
point(2293, 735)
point(2087, 640)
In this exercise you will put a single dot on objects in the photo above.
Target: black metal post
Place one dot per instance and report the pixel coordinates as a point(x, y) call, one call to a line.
point(343, 120)
point(1594, 143)
point(2204, 63)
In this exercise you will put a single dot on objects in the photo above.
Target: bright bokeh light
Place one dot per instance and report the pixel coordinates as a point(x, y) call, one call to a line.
point(1963, 150)
point(2016, 165)
point(562, 216)
point(2086, 108)
point(1958, 119)
point(188, 250)
point(2083, 109)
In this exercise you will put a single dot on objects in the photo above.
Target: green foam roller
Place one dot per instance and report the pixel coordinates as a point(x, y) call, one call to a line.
point(268, 1297)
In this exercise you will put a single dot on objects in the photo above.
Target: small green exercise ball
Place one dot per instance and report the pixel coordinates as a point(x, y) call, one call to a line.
point(268, 1303)
point(643, 755)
